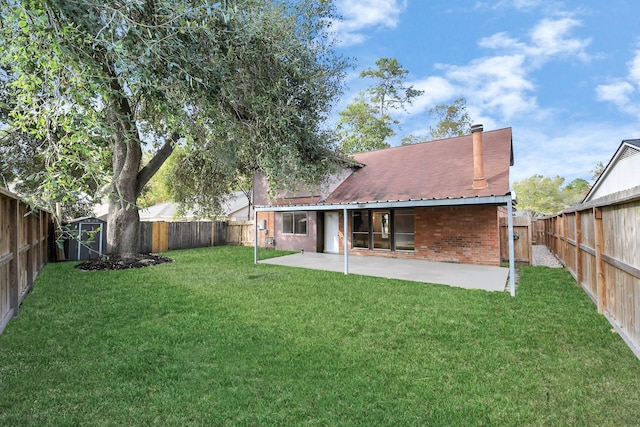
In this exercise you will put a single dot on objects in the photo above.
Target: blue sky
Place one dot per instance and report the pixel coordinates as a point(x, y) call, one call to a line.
point(565, 75)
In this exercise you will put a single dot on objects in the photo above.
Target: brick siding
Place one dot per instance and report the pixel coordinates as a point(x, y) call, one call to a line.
point(463, 234)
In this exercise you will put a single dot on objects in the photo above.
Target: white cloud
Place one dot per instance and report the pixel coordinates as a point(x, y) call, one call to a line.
point(623, 93)
point(359, 15)
point(634, 69)
point(502, 86)
point(494, 85)
point(520, 5)
point(618, 92)
point(549, 38)
point(437, 90)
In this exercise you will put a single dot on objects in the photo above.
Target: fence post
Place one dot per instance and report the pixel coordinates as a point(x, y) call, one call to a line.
point(530, 245)
point(28, 221)
point(600, 278)
point(14, 264)
point(565, 246)
point(579, 251)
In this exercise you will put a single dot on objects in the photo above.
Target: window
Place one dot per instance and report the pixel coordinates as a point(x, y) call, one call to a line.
point(383, 229)
point(360, 229)
point(404, 230)
point(294, 223)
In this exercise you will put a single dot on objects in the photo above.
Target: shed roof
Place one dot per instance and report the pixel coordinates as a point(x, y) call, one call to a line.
point(439, 169)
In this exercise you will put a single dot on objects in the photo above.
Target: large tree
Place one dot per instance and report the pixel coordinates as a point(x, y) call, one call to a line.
point(542, 195)
point(236, 84)
point(452, 120)
point(366, 123)
point(361, 130)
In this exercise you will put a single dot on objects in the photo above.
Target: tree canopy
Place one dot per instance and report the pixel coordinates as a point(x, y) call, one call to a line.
point(241, 84)
point(542, 195)
point(366, 123)
point(453, 120)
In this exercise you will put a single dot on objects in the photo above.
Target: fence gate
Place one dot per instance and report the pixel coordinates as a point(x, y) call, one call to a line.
point(521, 240)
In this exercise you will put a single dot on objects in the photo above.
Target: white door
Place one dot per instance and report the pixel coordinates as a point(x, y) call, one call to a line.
point(331, 237)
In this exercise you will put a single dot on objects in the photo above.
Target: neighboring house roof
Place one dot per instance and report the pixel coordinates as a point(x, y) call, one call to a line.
point(168, 211)
point(621, 173)
point(237, 204)
point(439, 169)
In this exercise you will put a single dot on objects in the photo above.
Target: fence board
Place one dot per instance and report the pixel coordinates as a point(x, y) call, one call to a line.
point(522, 240)
point(23, 252)
point(219, 233)
point(606, 257)
point(186, 235)
point(160, 237)
point(538, 232)
point(240, 233)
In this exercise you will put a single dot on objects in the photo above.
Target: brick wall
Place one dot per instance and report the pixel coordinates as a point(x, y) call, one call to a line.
point(464, 234)
point(270, 225)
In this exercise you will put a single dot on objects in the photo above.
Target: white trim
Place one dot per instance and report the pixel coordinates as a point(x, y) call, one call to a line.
point(512, 268)
point(485, 200)
point(603, 176)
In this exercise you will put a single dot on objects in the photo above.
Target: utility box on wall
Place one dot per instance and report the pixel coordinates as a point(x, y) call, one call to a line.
point(86, 239)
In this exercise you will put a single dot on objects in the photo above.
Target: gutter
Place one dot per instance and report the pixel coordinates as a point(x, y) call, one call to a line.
point(462, 201)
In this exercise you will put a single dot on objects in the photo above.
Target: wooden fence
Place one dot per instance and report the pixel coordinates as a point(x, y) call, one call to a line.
point(24, 248)
point(239, 233)
point(599, 244)
point(538, 234)
point(163, 236)
point(521, 240)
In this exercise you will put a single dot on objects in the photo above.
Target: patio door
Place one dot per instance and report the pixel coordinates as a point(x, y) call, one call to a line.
point(381, 229)
point(331, 233)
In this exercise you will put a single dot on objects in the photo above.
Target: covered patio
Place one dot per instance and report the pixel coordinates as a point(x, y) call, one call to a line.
point(488, 278)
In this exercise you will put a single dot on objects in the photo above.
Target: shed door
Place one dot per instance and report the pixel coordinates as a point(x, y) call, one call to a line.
point(331, 236)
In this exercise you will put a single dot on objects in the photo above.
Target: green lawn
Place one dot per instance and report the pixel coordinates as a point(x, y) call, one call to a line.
point(214, 340)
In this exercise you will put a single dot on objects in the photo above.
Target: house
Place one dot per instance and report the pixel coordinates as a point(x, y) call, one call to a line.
point(235, 207)
point(438, 201)
point(621, 175)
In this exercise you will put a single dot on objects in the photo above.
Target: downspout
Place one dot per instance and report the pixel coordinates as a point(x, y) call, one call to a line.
point(512, 267)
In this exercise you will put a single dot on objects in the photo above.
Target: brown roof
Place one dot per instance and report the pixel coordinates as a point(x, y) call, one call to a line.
point(430, 170)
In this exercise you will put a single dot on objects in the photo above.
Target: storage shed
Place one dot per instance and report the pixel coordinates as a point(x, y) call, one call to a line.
point(86, 239)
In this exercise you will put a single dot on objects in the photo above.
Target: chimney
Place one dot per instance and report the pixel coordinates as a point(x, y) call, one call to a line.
point(479, 181)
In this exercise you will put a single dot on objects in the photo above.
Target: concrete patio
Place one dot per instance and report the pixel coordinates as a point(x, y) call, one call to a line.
point(468, 276)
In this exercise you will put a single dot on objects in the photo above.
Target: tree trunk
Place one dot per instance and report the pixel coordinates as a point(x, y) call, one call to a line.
point(123, 230)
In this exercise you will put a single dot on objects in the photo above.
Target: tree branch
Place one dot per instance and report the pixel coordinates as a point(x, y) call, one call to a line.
point(147, 172)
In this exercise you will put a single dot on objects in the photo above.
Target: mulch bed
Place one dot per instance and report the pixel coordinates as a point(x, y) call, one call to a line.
point(118, 263)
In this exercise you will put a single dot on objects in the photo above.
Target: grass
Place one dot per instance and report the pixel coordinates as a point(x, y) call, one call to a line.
point(214, 340)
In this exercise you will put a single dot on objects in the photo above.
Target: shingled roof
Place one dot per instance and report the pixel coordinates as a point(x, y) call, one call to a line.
point(441, 169)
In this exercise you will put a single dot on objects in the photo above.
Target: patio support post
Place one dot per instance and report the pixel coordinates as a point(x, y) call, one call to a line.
point(512, 267)
point(255, 239)
point(345, 239)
